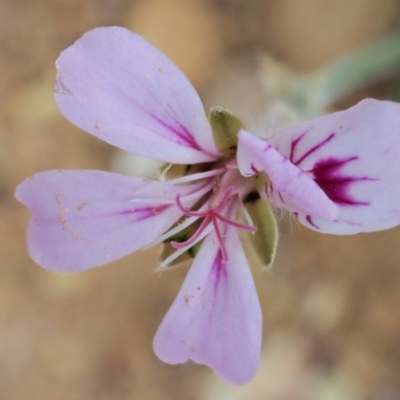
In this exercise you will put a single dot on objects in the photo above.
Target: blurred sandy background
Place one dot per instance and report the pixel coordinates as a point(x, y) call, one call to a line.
point(331, 305)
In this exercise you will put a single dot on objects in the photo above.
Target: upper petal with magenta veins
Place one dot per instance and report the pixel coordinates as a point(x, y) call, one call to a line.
point(118, 87)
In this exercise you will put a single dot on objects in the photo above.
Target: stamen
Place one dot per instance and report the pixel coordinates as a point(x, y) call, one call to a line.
point(172, 232)
point(245, 227)
point(224, 199)
point(220, 241)
point(245, 213)
point(177, 253)
point(200, 192)
point(189, 212)
point(192, 241)
point(211, 214)
point(171, 258)
point(194, 177)
point(183, 225)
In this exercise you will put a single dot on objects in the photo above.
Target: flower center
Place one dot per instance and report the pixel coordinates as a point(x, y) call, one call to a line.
point(212, 215)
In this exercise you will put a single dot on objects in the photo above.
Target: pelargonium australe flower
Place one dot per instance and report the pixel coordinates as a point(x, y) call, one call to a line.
point(338, 174)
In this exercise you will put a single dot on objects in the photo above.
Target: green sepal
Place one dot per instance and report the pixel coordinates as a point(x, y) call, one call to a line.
point(263, 243)
point(195, 249)
point(225, 127)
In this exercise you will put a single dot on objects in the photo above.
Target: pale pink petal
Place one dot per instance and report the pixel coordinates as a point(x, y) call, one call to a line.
point(288, 186)
point(83, 219)
point(216, 318)
point(354, 156)
point(118, 87)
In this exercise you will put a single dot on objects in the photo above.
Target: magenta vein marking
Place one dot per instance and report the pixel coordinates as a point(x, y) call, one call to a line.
point(254, 169)
point(144, 213)
point(337, 185)
point(267, 148)
point(315, 148)
point(219, 270)
point(294, 144)
point(345, 180)
point(185, 136)
point(311, 222)
point(331, 164)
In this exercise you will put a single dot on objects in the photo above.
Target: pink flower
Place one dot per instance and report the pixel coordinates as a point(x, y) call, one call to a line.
point(338, 174)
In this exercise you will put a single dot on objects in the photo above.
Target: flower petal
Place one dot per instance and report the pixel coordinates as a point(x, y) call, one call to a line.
point(83, 219)
point(116, 86)
point(354, 156)
point(216, 318)
point(288, 186)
